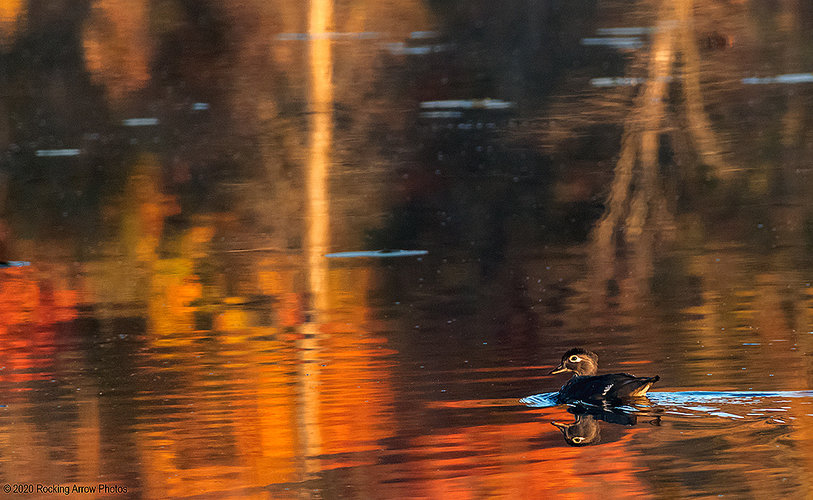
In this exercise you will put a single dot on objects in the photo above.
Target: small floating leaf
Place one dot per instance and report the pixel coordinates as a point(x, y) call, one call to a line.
point(57, 152)
point(376, 254)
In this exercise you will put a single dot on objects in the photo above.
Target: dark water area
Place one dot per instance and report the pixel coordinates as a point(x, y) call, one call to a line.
point(279, 249)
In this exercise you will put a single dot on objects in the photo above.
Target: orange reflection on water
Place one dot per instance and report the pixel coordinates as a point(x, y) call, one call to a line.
point(320, 137)
point(36, 351)
point(143, 209)
point(484, 461)
point(12, 13)
point(33, 306)
point(118, 45)
point(242, 392)
point(273, 279)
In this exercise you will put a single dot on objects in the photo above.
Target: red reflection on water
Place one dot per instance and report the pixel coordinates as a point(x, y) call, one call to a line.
point(507, 461)
point(32, 308)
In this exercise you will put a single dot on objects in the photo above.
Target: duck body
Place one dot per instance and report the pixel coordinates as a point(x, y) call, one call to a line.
point(587, 386)
point(612, 387)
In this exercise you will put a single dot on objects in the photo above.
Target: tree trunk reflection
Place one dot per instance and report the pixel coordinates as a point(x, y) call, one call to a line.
point(637, 216)
point(317, 224)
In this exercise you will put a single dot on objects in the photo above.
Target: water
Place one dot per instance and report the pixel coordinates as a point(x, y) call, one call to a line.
point(766, 407)
point(275, 249)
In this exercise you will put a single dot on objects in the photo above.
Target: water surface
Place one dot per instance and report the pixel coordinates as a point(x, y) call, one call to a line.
point(275, 249)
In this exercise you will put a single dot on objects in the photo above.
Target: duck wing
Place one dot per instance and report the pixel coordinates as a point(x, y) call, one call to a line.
point(615, 386)
point(624, 385)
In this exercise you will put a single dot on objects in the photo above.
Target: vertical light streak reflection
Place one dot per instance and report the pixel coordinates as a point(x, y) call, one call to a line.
point(319, 141)
point(320, 135)
point(89, 439)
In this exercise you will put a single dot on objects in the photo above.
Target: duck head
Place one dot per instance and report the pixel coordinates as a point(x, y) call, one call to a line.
point(579, 361)
point(584, 431)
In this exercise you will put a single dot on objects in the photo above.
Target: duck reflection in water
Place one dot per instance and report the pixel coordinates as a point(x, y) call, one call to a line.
point(596, 397)
point(585, 429)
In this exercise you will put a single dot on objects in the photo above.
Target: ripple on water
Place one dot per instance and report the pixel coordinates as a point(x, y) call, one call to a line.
point(735, 405)
point(544, 400)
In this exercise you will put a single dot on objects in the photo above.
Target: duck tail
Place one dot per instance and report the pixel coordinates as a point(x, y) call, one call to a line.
point(645, 384)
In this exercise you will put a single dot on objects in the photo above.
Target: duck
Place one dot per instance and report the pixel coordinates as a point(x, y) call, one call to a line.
point(586, 386)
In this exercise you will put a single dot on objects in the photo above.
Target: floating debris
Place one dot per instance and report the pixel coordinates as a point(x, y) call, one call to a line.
point(789, 79)
point(629, 31)
point(376, 254)
point(468, 104)
point(614, 42)
point(420, 35)
point(624, 81)
point(58, 152)
point(329, 35)
point(200, 106)
point(139, 122)
point(14, 263)
point(616, 82)
point(715, 41)
point(441, 114)
point(401, 48)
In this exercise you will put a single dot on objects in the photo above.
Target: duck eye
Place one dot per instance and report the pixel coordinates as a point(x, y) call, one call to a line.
point(574, 359)
point(577, 440)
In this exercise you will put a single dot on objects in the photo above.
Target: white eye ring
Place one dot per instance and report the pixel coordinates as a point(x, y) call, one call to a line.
point(574, 359)
point(577, 440)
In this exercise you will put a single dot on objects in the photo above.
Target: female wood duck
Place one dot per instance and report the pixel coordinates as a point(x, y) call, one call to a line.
point(587, 386)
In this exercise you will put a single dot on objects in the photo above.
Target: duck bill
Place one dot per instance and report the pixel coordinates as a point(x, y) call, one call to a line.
point(559, 369)
point(562, 427)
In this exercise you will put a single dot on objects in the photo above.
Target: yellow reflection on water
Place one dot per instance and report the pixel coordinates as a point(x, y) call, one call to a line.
point(12, 13)
point(317, 224)
point(256, 410)
point(320, 142)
